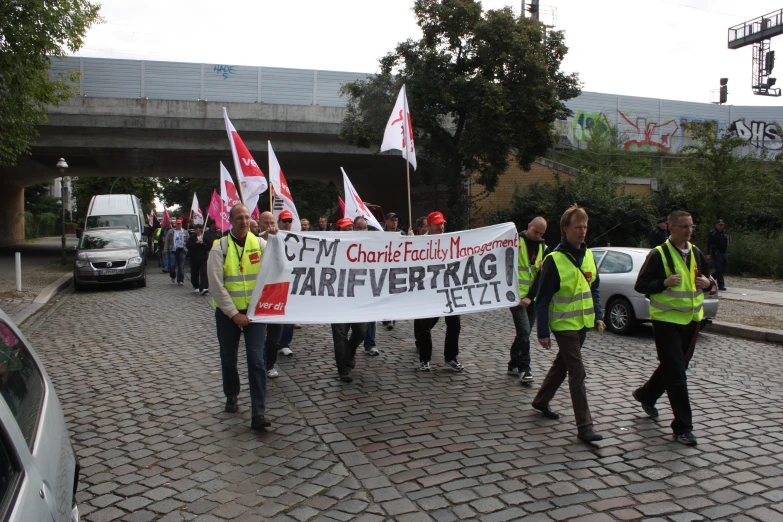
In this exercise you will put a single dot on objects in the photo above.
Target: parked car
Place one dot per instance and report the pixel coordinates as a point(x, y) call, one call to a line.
point(109, 255)
point(623, 306)
point(117, 210)
point(39, 471)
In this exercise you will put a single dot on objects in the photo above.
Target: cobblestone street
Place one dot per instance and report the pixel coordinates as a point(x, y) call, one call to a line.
point(138, 374)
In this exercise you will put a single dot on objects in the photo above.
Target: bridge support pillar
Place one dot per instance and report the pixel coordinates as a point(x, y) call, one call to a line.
point(11, 214)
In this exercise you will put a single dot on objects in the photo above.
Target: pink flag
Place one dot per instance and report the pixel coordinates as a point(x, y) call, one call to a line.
point(256, 213)
point(342, 204)
point(399, 130)
point(248, 173)
point(166, 218)
point(218, 212)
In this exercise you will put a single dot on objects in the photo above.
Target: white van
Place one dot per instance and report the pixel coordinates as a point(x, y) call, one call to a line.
point(117, 210)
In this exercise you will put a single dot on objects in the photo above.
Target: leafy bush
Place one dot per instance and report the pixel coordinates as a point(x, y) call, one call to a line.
point(47, 224)
point(30, 226)
point(755, 253)
point(616, 218)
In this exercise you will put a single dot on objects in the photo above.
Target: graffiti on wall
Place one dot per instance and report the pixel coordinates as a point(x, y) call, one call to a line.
point(224, 70)
point(585, 122)
point(757, 133)
point(648, 134)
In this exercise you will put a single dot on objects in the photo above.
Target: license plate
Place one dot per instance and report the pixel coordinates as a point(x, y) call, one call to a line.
point(110, 271)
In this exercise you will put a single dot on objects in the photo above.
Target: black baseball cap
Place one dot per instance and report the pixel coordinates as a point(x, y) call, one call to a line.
point(662, 220)
point(391, 215)
point(720, 222)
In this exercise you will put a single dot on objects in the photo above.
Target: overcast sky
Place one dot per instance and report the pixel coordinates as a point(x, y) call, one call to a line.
point(674, 49)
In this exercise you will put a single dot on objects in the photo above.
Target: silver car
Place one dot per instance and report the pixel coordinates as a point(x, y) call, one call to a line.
point(39, 471)
point(623, 306)
point(109, 255)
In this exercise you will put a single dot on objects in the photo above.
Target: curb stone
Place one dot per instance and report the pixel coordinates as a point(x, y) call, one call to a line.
point(746, 332)
point(42, 298)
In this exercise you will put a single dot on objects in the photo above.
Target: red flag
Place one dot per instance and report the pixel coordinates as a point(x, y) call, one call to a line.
point(342, 204)
point(256, 213)
point(219, 212)
point(166, 218)
point(248, 172)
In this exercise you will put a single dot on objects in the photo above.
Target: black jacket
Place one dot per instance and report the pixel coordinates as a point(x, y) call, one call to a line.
point(652, 275)
point(717, 241)
point(657, 237)
point(198, 251)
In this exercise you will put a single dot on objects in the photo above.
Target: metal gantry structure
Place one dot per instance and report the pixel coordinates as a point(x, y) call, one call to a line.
point(758, 32)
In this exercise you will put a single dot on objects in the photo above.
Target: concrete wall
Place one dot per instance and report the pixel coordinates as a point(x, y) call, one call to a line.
point(11, 214)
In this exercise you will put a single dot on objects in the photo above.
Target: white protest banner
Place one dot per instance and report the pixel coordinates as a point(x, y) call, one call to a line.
point(340, 277)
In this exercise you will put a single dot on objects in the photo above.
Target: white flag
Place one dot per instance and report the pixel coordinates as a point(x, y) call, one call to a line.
point(282, 199)
point(195, 210)
point(248, 173)
point(399, 130)
point(228, 191)
point(354, 206)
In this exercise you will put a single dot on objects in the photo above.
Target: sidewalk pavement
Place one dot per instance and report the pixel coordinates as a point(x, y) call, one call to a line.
point(755, 296)
point(755, 333)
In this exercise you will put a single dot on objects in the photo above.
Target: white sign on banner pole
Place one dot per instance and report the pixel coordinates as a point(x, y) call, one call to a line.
point(338, 277)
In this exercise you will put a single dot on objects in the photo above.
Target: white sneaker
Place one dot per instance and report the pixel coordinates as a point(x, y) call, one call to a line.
point(196, 291)
point(285, 351)
point(372, 351)
point(513, 371)
point(272, 374)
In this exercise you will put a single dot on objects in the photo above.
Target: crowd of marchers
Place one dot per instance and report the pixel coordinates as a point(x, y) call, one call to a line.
point(558, 289)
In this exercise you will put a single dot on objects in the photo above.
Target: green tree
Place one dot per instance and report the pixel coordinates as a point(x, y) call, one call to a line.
point(31, 32)
point(482, 86)
point(84, 188)
point(179, 191)
point(719, 180)
point(38, 201)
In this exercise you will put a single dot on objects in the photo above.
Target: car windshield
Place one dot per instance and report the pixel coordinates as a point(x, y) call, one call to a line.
point(100, 239)
point(129, 221)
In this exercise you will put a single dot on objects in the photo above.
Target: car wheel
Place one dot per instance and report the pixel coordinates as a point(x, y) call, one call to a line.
point(620, 317)
point(77, 286)
point(143, 282)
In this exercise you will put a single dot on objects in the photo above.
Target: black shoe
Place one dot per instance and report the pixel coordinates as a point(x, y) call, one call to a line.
point(547, 412)
point(390, 326)
point(259, 422)
point(231, 405)
point(722, 288)
point(346, 377)
point(649, 409)
point(589, 435)
point(686, 438)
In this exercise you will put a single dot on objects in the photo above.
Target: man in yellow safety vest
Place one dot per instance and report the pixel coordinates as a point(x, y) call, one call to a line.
point(568, 304)
point(673, 278)
point(233, 265)
point(531, 257)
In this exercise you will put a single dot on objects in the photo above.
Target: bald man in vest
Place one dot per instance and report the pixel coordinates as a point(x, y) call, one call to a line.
point(673, 276)
point(531, 258)
point(568, 304)
point(232, 267)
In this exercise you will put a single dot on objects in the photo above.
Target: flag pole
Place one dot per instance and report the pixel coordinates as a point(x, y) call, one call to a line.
point(405, 131)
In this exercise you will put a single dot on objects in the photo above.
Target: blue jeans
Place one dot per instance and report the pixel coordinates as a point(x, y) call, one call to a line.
point(165, 259)
point(369, 337)
point(524, 319)
point(287, 336)
point(228, 334)
point(273, 332)
point(177, 260)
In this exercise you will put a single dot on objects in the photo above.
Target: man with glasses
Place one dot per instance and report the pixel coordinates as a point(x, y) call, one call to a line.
point(232, 268)
point(673, 278)
point(531, 257)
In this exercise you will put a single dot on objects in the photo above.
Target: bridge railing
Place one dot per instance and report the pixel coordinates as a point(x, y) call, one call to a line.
point(112, 78)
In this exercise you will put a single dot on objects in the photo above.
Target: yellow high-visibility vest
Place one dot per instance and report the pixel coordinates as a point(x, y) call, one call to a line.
point(683, 303)
point(240, 268)
point(571, 307)
point(527, 272)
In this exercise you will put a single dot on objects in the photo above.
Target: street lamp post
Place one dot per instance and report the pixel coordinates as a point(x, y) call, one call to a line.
point(62, 166)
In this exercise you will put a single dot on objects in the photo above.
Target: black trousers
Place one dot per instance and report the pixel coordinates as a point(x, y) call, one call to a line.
point(422, 331)
point(674, 344)
point(273, 334)
point(721, 261)
point(198, 274)
point(345, 346)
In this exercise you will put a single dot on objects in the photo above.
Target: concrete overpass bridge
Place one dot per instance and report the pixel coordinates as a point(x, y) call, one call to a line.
point(164, 119)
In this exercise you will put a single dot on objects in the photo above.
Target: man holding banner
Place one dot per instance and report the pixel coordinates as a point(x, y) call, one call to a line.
point(344, 346)
point(233, 266)
point(422, 328)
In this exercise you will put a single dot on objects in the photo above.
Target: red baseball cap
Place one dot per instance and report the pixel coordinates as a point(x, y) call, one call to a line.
point(285, 215)
point(344, 222)
point(178, 222)
point(436, 218)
